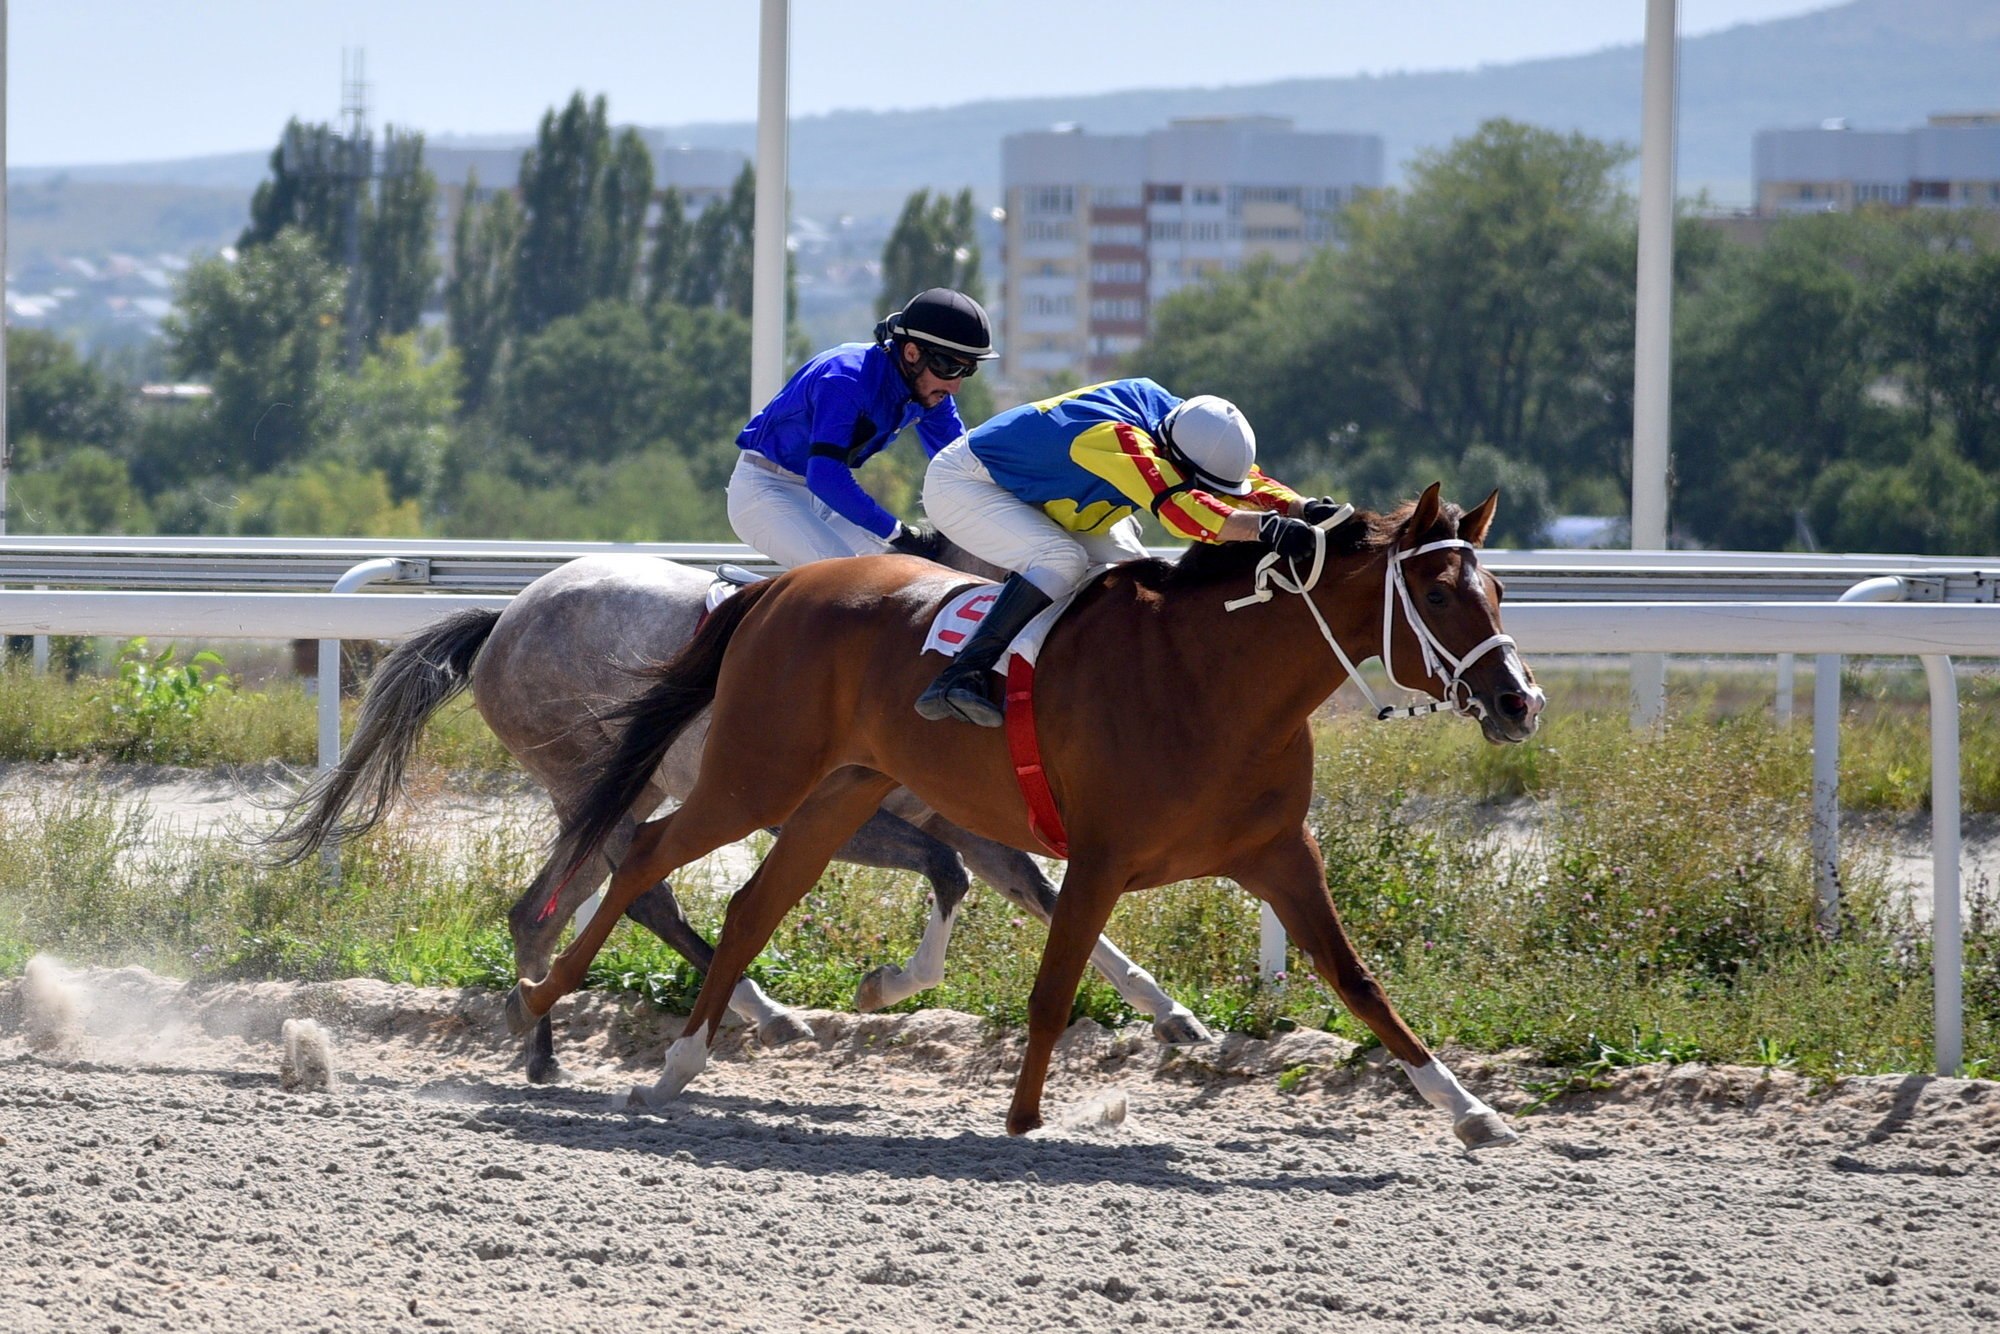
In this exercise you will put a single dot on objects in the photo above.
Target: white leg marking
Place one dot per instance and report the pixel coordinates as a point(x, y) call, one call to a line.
point(685, 1059)
point(1476, 1125)
point(749, 1001)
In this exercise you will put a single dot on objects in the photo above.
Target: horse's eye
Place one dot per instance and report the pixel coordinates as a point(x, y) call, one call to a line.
point(1435, 597)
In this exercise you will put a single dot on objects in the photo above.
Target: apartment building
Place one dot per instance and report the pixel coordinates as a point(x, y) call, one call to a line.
point(1101, 227)
point(1951, 162)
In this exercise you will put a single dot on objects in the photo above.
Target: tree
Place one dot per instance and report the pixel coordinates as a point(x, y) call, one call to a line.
point(719, 265)
point(673, 240)
point(584, 203)
point(479, 295)
point(265, 333)
point(1941, 321)
point(587, 388)
point(55, 394)
point(86, 489)
point(398, 268)
point(395, 416)
point(312, 179)
point(933, 244)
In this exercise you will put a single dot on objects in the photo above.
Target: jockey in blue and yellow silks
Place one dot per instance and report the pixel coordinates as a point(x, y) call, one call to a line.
point(1051, 489)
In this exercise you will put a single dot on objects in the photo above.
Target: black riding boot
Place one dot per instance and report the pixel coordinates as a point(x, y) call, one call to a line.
point(960, 689)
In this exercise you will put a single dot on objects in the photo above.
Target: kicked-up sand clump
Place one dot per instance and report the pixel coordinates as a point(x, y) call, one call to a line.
point(307, 1064)
point(52, 1014)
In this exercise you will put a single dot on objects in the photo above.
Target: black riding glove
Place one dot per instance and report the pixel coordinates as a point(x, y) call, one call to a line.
point(917, 540)
point(1319, 509)
point(1292, 538)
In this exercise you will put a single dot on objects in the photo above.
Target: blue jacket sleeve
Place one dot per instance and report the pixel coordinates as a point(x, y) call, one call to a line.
point(833, 482)
point(939, 427)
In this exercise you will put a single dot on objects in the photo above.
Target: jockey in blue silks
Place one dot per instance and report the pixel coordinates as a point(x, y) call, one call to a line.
point(793, 495)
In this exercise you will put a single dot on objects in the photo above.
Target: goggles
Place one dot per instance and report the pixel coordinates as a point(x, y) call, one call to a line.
point(945, 366)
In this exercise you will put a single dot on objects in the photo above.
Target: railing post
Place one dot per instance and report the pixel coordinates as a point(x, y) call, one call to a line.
point(1787, 683)
point(1826, 760)
point(1947, 941)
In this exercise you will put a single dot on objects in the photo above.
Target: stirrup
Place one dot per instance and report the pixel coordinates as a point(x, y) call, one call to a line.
point(956, 694)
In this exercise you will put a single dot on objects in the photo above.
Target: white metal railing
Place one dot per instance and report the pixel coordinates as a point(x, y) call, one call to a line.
point(1890, 629)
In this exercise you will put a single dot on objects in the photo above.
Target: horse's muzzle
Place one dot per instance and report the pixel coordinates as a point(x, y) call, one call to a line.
point(1513, 711)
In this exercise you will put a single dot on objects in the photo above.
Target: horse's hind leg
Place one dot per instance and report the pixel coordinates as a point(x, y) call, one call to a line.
point(814, 832)
point(1016, 876)
point(890, 842)
point(1289, 875)
point(658, 849)
point(535, 921)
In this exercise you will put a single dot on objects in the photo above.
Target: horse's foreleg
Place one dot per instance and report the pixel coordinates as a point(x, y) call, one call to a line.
point(1290, 876)
point(660, 912)
point(813, 833)
point(1082, 909)
point(1016, 876)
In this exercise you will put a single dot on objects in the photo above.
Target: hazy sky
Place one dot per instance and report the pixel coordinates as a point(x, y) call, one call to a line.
point(136, 80)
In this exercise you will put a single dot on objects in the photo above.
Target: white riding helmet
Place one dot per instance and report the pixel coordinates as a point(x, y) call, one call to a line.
point(1211, 439)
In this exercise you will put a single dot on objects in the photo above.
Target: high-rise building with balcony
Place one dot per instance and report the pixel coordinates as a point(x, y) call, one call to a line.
point(1099, 228)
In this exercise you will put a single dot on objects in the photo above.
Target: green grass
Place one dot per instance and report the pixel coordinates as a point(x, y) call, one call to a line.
point(1660, 908)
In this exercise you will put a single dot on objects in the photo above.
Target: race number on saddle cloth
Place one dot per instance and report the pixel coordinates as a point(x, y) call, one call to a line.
point(950, 628)
point(1096, 455)
point(838, 411)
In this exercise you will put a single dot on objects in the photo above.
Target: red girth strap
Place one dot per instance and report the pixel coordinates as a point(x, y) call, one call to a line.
point(1043, 817)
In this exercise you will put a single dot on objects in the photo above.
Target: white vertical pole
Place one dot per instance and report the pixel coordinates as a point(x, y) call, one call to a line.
point(1826, 791)
point(1947, 941)
point(1270, 943)
point(1652, 353)
point(767, 288)
point(6, 444)
point(1787, 688)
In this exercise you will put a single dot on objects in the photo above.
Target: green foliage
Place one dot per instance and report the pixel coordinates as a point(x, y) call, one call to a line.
point(479, 295)
point(156, 700)
point(398, 266)
point(583, 205)
point(57, 395)
point(80, 490)
point(265, 333)
point(935, 243)
point(396, 413)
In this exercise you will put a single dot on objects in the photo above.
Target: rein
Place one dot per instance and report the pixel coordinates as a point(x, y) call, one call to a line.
point(1395, 590)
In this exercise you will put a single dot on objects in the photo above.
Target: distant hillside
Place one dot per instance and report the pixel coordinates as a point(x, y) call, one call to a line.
point(1879, 63)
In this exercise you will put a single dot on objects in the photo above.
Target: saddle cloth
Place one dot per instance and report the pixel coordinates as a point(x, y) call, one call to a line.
point(965, 609)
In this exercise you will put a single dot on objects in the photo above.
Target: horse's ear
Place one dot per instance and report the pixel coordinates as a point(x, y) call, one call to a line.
point(1425, 516)
point(1472, 527)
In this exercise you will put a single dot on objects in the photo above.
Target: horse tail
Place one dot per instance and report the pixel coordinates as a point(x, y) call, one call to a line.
point(414, 681)
point(682, 687)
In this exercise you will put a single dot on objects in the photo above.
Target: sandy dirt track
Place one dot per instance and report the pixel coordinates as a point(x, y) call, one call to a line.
point(154, 1176)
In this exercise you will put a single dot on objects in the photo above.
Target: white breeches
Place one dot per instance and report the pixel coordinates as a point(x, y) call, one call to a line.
point(778, 515)
point(991, 522)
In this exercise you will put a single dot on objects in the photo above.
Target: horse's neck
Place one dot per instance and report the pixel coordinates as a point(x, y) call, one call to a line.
point(1271, 659)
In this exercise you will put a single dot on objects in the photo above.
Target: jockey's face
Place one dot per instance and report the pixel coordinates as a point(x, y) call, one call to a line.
point(925, 387)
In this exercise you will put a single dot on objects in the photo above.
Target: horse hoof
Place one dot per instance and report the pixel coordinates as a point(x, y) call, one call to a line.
point(1485, 1130)
point(519, 1017)
point(782, 1028)
point(544, 1069)
point(873, 993)
point(1180, 1029)
point(1023, 1123)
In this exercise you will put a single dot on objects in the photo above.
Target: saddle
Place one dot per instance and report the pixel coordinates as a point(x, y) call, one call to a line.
point(728, 578)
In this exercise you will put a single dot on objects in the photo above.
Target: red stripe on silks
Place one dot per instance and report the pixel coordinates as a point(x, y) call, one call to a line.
point(1043, 817)
point(1142, 456)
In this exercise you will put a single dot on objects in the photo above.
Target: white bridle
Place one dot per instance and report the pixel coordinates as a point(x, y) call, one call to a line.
point(1395, 590)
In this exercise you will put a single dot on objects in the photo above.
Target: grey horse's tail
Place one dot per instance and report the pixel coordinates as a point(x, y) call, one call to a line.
point(682, 687)
point(413, 682)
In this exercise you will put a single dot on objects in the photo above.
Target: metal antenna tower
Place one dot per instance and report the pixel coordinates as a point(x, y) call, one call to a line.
point(357, 168)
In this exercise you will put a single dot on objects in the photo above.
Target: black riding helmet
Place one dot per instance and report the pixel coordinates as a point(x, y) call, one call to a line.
point(944, 321)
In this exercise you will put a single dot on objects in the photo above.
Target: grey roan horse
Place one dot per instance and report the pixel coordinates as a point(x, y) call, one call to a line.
point(544, 674)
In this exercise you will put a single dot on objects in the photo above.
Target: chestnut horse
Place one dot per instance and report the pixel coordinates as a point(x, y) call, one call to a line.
point(1175, 733)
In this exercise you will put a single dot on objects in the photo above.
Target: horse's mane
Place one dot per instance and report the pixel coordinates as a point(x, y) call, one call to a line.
point(1206, 563)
